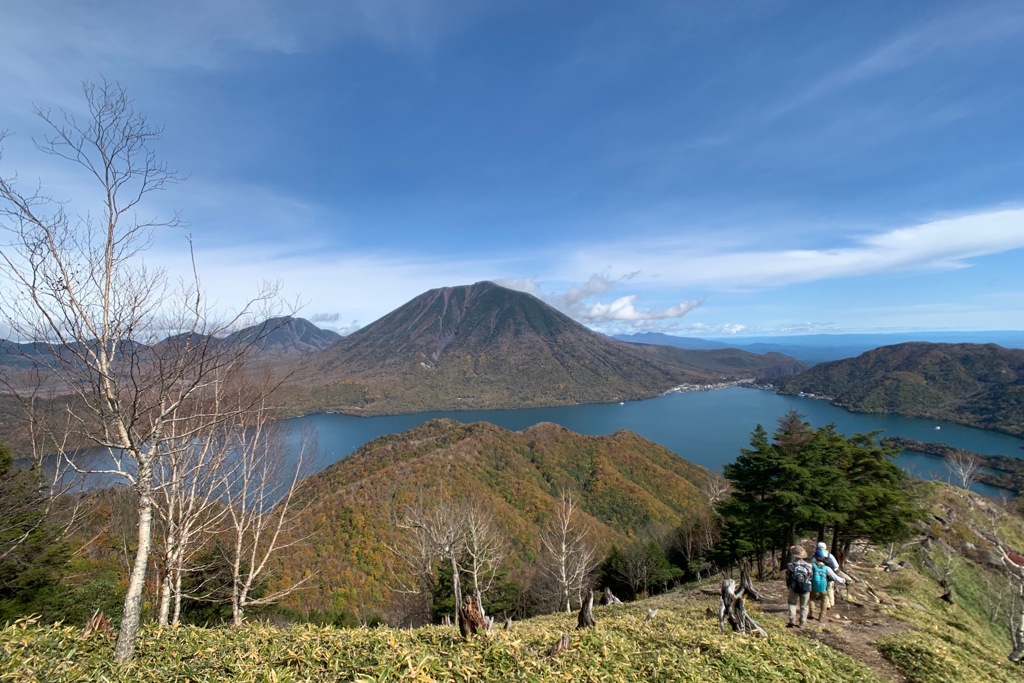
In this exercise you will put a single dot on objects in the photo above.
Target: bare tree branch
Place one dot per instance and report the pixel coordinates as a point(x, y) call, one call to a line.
point(75, 285)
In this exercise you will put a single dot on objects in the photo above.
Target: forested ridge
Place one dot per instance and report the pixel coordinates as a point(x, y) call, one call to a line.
point(625, 487)
point(980, 385)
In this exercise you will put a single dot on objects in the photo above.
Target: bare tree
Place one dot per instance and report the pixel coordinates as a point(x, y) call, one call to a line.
point(464, 535)
point(696, 534)
point(1017, 625)
point(436, 531)
point(262, 479)
point(485, 549)
point(568, 555)
point(964, 466)
point(28, 496)
point(640, 566)
point(715, 488)
point(75, 282)
point(189, 484)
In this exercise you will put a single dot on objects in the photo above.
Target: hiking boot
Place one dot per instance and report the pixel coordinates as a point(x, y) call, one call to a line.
point(791, 625)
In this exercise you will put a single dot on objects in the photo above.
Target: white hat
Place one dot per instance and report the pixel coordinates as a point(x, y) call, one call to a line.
point(821, 544)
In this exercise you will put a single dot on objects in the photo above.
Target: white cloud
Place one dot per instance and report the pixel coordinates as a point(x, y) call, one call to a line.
point(938, 245)
point(576, 301)
point(624, 309)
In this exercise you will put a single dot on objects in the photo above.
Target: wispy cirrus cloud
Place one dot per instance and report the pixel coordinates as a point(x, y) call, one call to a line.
point(41, 40)
point(968, 27)
point(944, 244)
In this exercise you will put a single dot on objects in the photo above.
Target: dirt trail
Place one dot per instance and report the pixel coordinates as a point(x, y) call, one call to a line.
point(854, 625)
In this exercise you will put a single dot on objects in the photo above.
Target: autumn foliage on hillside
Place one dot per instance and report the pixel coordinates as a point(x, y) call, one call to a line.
point(623, 485)
point(981, 385)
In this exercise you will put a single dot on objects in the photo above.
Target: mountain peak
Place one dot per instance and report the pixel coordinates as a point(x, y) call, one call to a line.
point(487, 346)
point(285, 336)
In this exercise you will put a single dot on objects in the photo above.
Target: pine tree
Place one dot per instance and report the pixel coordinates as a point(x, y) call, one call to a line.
point(750, 513)
point(808, 480)
point(31, 555)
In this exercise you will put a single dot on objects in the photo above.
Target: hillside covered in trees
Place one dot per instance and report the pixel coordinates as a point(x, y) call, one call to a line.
point(623, 487)
point(980, 385)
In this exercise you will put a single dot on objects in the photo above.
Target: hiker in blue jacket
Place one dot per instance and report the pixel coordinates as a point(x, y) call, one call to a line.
point(823, 583)
point(799, 576)
point(832, 563)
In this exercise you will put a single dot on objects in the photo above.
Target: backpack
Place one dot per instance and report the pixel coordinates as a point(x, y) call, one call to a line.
point(820, 582)
point(800, 578)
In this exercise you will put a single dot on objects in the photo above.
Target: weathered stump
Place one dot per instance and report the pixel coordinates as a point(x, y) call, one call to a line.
point(471, 618)
point(586, 616)
point(561, 646)
point(733, 609)
point(746, 583)
point(609, 598)
point(98, 624)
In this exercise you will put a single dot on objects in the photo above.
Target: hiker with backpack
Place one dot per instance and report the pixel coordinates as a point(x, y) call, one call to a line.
point(821, 551)
point(823, 583)
point(799, 577)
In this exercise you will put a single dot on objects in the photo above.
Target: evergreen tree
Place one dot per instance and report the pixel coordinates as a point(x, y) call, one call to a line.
point(31, 555)
point(883, 508)
point(751, 513)
point(808, 480)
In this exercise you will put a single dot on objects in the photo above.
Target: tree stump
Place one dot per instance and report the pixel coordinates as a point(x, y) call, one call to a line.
point(471, 618)
point(733, 610)
point(609, 598)
point(746, 584)
point(561, 646)
point(586, 617)
point(98, 624)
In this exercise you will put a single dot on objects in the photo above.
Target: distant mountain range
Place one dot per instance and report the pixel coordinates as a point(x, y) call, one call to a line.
point(485, 346)
point(275, 337)
point(981, 385)
point(816, 348)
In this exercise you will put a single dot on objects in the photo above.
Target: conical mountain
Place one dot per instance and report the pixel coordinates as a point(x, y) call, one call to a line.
point(486, 346)
point(285, 336)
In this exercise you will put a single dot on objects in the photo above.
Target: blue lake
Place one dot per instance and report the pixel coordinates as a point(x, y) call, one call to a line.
point(705, 427)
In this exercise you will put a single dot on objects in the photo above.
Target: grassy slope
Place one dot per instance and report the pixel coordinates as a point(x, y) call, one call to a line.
point(943, 643)
point(681, 644)
point(965, 641)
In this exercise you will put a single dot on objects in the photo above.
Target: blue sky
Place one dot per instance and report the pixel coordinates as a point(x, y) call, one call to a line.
point(698, 168)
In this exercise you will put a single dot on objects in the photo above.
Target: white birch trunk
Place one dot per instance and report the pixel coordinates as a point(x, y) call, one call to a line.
point(124, 649)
